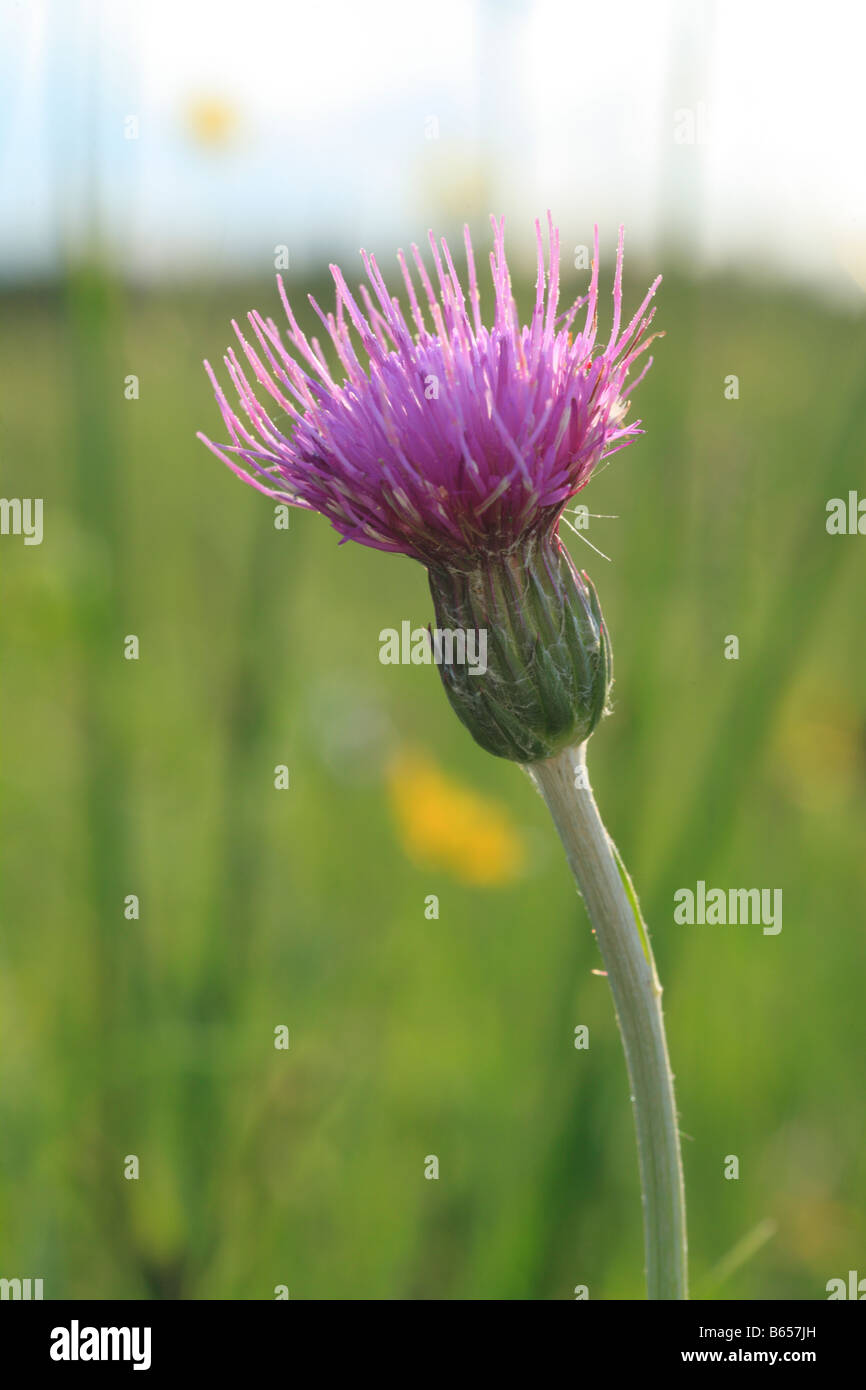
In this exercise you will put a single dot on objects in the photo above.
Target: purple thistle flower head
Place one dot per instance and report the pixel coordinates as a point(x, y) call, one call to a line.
point(461, 446)
point(450, 443)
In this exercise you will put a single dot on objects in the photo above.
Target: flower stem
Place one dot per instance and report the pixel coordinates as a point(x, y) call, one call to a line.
point(622, 938)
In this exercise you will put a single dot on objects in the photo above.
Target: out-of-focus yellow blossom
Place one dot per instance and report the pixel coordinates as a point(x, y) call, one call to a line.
point(211, 121)
point(813, 1228)
point(818, 748)
point(443, 823)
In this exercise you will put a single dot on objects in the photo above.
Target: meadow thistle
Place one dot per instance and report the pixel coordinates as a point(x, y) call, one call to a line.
point(461, 446)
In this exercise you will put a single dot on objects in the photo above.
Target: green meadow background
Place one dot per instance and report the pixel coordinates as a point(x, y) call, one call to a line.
point(305, 908)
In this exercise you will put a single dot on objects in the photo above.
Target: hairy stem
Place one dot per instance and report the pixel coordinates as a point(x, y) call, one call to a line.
point(624, 944)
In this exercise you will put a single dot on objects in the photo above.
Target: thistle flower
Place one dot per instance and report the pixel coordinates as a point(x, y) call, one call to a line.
point(461, 446)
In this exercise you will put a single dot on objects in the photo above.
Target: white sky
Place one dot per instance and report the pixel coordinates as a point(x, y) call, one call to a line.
point(584, 108)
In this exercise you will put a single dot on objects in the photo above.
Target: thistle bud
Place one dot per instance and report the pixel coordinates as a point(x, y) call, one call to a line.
point(548, 665)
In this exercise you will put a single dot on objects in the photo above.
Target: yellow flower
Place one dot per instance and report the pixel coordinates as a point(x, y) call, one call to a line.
point(443, 823)
point(818, 749)
point(211, 121)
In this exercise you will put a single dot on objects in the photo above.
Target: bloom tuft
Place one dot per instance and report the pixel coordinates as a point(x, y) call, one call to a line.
point(446, 441)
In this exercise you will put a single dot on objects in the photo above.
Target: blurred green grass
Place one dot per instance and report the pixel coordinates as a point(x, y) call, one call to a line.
point(258, 908)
